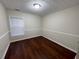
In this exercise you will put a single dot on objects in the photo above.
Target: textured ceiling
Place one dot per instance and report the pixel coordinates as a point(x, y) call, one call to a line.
point(48, 5)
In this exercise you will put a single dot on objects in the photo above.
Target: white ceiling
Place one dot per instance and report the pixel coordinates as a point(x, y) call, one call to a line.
point(48, 6)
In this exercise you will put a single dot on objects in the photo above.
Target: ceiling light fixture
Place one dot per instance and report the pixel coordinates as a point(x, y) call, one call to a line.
point(37, 5)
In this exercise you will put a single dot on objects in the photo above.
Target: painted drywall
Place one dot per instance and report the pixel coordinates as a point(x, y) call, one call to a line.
point(63, 27)
point(32, 24)
point(4, 33)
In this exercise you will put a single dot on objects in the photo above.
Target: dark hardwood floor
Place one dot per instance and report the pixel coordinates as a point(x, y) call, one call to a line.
point(38, 48)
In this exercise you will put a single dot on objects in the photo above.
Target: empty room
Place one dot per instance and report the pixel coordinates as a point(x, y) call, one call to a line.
point(39, 29)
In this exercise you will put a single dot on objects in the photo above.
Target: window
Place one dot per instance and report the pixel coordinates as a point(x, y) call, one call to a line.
point(16, 26)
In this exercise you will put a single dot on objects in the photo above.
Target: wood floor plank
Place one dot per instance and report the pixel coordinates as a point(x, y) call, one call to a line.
point(38, 48)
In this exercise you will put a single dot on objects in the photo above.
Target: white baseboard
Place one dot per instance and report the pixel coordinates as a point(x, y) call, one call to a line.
point(7, 45)
point(36, 36)
point(60, 44)
point(23, 38)
point(49, 39)
point(6, 51)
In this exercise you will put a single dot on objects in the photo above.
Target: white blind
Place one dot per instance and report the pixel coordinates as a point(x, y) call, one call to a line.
point(16, 26)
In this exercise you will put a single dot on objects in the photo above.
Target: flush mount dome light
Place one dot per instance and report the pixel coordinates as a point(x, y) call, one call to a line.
point(36, 5)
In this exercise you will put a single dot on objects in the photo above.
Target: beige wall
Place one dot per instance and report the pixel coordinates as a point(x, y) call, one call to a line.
point(63, 27)
point(4, 36)
point(32, 24)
